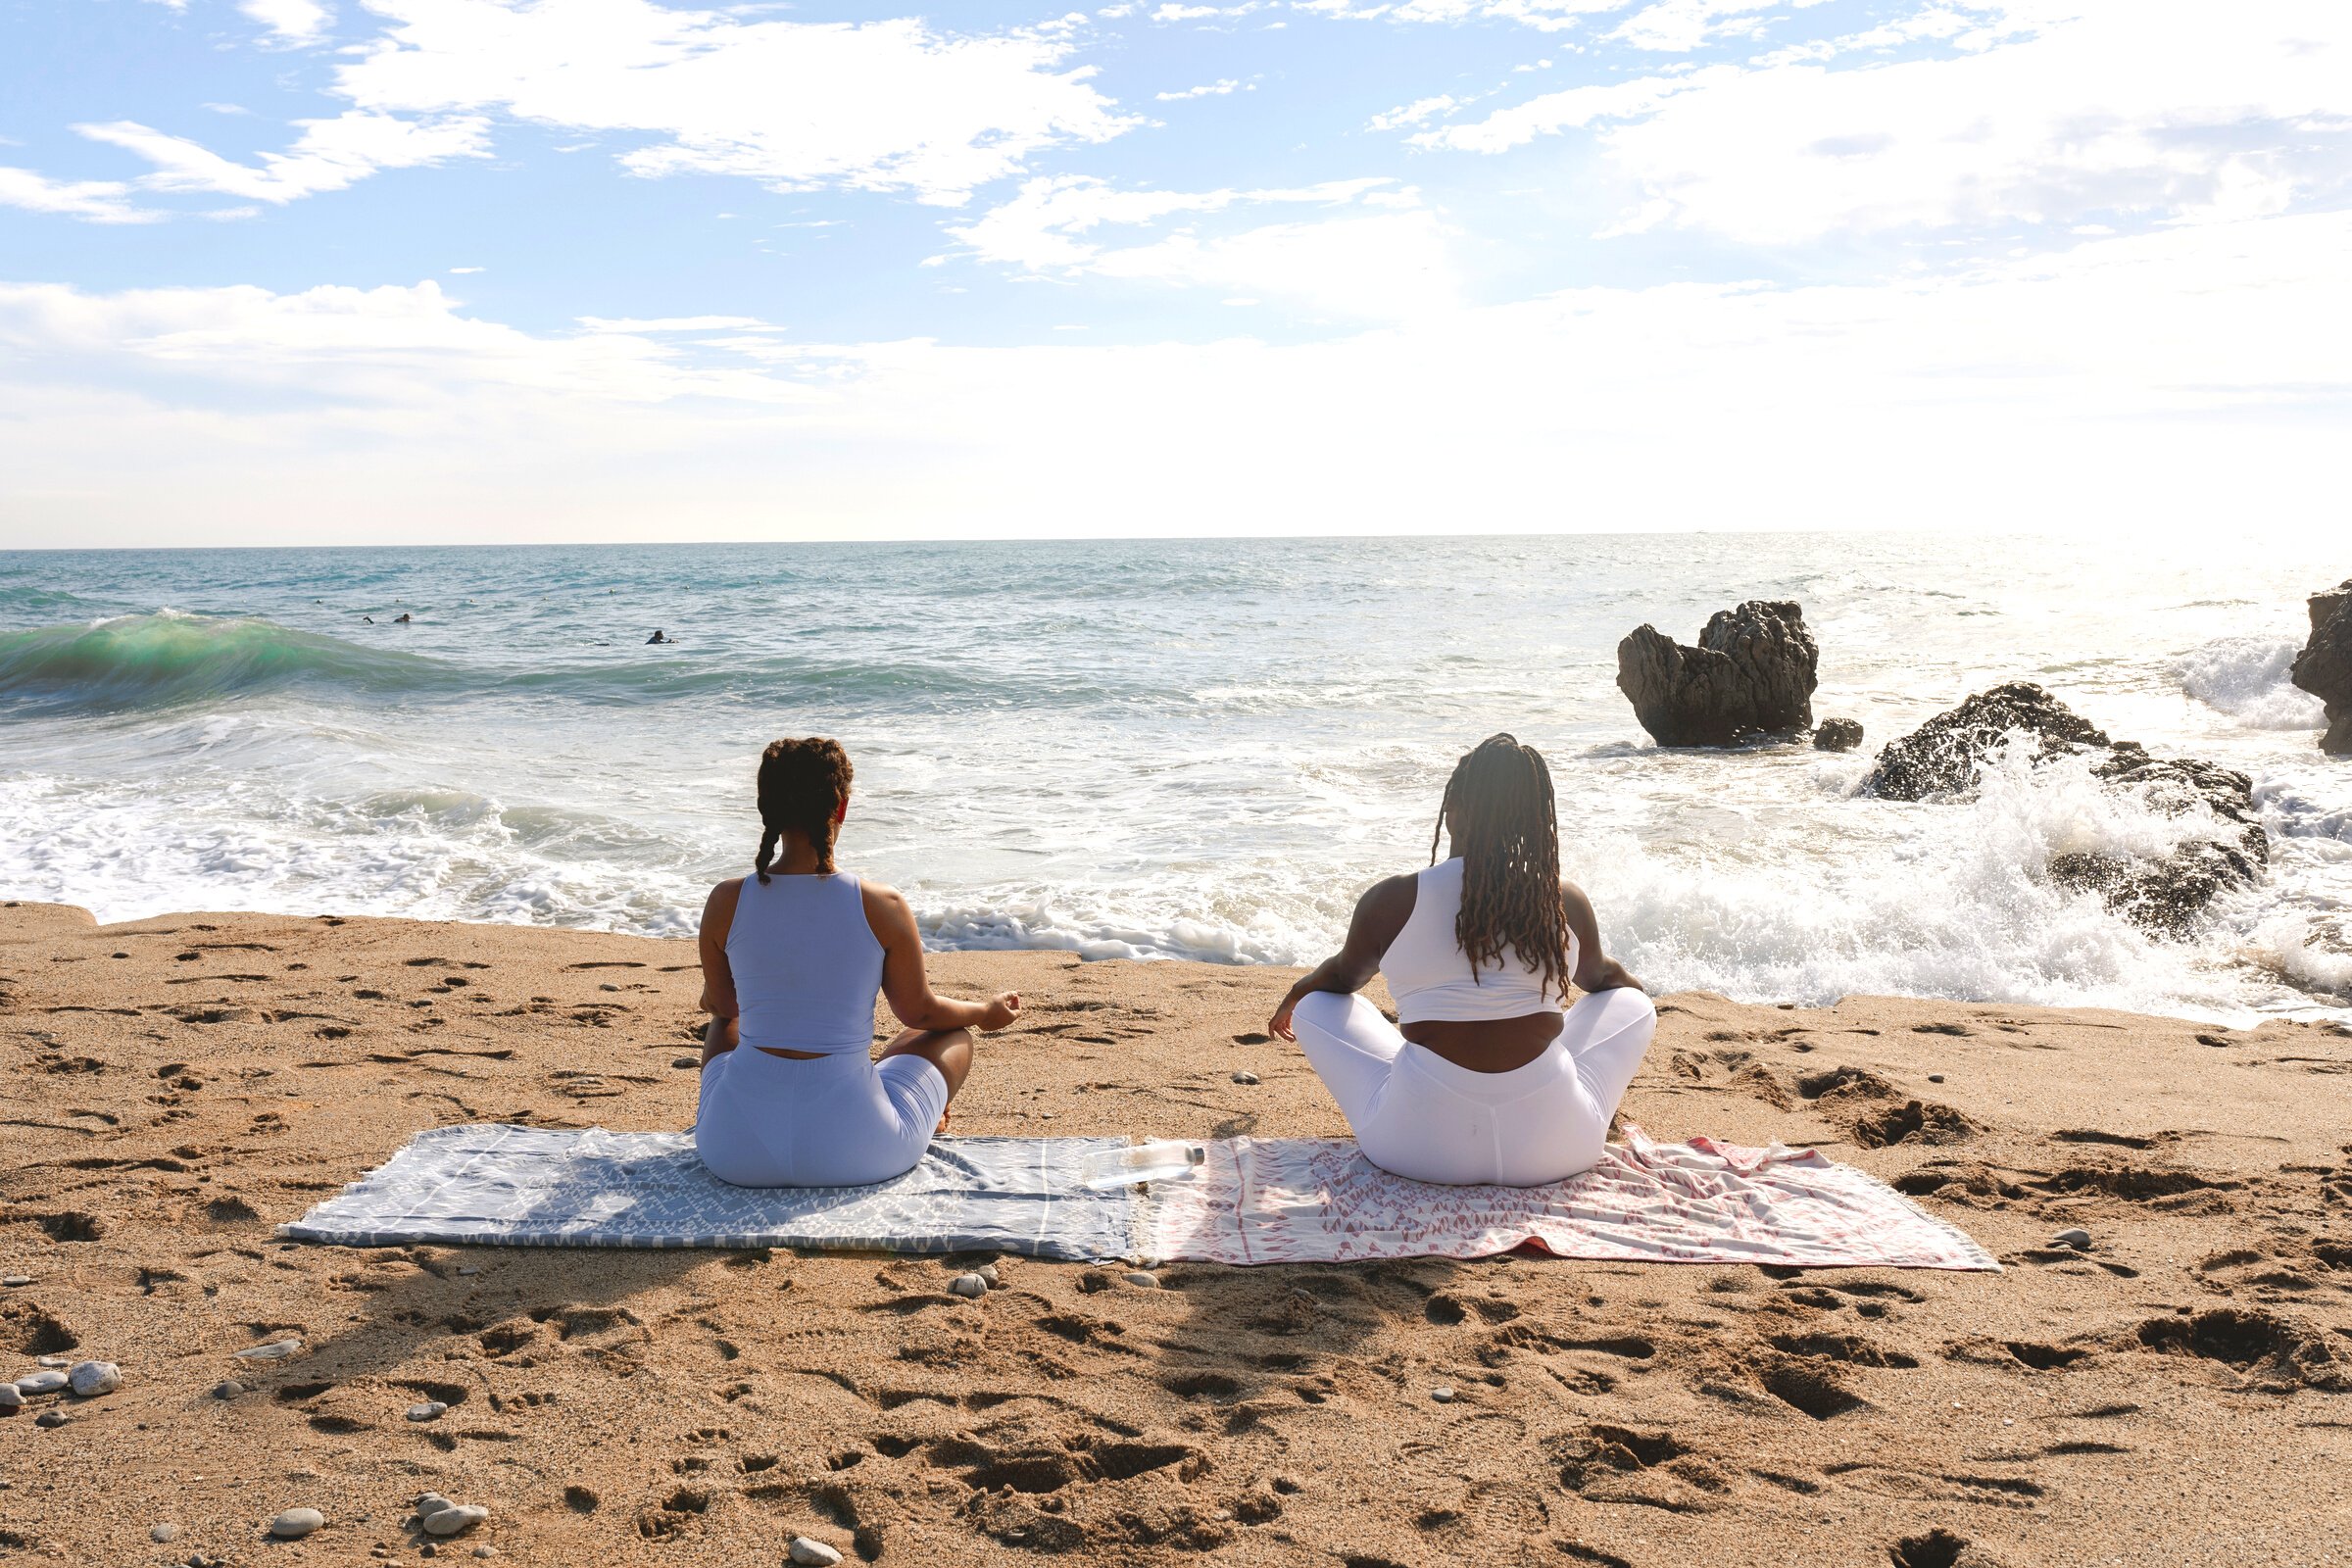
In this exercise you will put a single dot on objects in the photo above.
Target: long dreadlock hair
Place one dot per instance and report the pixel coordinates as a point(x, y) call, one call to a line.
point(802, 784)
point(1499, 803)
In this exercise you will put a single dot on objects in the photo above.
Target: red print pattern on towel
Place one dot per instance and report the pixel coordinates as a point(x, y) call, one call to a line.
point(1319, 1201)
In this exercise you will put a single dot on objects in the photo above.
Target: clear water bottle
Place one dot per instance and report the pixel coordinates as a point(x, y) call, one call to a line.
point(1156, 1161)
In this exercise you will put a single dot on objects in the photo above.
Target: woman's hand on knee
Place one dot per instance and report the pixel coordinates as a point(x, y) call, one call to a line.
point(1279, 1026)
point(1002, 1010)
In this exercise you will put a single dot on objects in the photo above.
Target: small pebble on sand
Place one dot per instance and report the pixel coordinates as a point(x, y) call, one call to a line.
point(429, 1410)
point(227, 1389)
point(1441, 1394)
point(60, 1361)
point(36, 1384)
point(163, 1535)
point(485, 1551)
point(1935, 1077)
point(89, 1379)
point(13, 1281)
point(50, 1418)
point(988, 1275)
point(1244, 1077)
point(1142, 1280)
point(10, 1398)
point(454, 1520)
point(813, 1553)
point(967, 1284)
point(296, 1523)
point(2079, 1240)
point(274, 1350)
point(685, 1061)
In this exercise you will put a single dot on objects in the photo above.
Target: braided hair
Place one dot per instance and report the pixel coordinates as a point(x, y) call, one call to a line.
point(1500, 803)
point(803, 785)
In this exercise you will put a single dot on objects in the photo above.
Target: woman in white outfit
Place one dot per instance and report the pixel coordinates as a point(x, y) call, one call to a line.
point(792, 959)
point(1489, 1074)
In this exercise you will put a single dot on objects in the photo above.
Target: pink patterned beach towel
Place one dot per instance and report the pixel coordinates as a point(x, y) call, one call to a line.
point(1319, 1201)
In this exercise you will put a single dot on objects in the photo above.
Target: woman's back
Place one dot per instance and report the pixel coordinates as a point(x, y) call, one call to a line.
point(1432, 979)
point(806, 963)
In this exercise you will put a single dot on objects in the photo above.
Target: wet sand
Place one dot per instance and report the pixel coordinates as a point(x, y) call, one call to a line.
point(173, 1088)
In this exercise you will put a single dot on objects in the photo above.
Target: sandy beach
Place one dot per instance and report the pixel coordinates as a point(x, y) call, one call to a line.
point(176, 1087)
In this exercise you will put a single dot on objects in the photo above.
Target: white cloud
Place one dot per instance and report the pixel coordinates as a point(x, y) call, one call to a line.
point(2051, 112)
point(328, 155)
point(1412, 114)
point(888, 106)
point(1213, 89)
point(1390, 263)
point(1548, 16)
point(1679, 26)
point(96, 200)
point(293, 22)
point(2036, 393)
point(1573, 108)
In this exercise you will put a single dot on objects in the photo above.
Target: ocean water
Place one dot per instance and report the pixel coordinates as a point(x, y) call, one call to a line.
point(1198, 750)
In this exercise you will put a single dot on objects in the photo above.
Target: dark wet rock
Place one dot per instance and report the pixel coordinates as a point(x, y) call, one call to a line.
point(2324, 667)
point(1947, 755)
point(1838, 735)
point(1944, 756)
point(1751, 675)
point(2169, 894)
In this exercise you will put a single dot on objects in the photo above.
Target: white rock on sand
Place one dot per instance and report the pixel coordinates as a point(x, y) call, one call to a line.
point(36, 1384)
point(812, 1552)
point(89, 1379)
point(454, 1520)
point(296, 1523)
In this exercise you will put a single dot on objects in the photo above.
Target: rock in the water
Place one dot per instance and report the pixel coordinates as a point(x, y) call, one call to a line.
point(454, 1520)
point(967, 1284)
point(89, 1379)
point(1752, 675)
point(32, 1385)
point(429, 1410)
point(274, 1350)
point(163, 1535)
point(811, 1554)
point(1838, 735)
point(11, 1401)
point(1944, 755)
point(1947, 755)
point(296, 1523)
point(2324, 667)
point(2079, 1240)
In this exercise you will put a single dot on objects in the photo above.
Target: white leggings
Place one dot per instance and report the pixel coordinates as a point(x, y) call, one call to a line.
point(842, 1120)
point(1422, 1117)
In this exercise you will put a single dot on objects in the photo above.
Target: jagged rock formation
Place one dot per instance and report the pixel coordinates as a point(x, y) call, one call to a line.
point(1751, 675)
point(2324, 667)
point(1838, 735)
point(1943, 757)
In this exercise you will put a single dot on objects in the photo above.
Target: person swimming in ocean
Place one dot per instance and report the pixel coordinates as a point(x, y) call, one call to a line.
point(792, 959)
point(657, 637)
point(1488, 1075)
point(402, 618)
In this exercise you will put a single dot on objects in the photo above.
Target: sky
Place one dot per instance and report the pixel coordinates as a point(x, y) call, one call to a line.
point(450, 271)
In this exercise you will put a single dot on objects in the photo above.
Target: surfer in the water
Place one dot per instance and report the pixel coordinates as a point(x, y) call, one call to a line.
point(401, 619)
point(657, 637)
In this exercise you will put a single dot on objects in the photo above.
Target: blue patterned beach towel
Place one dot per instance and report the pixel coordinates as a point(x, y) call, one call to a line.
point(543, 1187)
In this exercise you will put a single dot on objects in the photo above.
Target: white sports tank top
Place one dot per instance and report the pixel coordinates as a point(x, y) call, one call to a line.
point(1430, 976)
point(806, 963)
